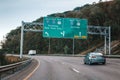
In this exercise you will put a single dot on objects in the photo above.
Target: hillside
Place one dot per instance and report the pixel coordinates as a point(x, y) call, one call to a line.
point(98, 14)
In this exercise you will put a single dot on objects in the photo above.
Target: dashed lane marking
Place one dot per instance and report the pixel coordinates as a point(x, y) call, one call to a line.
point(75, 70)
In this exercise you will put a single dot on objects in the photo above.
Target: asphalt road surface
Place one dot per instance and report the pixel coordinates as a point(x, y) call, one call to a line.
point(73, 68)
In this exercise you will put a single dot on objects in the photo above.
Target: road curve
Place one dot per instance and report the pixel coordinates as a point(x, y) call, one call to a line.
point(72, 68)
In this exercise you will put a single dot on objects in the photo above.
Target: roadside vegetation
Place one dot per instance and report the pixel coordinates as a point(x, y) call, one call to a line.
point(9, 59)
point(2, 58)
point(98, 14)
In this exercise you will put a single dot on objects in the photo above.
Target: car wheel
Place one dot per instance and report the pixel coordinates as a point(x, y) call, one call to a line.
point(84, 62)
point(103, 63)
point(89, 62)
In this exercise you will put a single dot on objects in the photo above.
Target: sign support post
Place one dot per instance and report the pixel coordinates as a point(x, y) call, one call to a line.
point(109, 40)
point(21, 41)
point(49, 47)
point(73, 47)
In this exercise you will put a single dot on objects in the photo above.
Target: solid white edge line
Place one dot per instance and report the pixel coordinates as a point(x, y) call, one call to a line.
point(26, 78)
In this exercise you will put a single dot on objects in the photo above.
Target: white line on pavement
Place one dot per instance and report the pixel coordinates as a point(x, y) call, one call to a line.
point(62, 62)
point(75, 70)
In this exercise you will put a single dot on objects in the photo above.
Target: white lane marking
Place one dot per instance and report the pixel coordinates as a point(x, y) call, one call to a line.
point(75, 70)
point(62, 62)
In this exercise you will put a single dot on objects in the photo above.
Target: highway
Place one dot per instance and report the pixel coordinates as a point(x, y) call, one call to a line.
point(72, 68)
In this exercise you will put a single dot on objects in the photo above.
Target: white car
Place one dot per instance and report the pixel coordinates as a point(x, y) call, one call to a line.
point(32, 52)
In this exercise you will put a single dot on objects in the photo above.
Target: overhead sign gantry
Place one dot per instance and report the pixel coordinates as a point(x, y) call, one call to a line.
point(76, 28)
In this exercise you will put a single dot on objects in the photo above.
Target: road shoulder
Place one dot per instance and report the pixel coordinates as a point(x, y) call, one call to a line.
point(25, 72)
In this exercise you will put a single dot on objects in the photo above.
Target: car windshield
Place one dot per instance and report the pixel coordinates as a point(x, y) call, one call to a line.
point(97, 54)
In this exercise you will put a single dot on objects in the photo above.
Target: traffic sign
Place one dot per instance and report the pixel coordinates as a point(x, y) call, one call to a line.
point(75, 28)
point(65, 28)
point(53, 27)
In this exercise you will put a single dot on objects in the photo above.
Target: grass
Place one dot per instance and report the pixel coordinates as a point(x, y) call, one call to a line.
point(13, 59)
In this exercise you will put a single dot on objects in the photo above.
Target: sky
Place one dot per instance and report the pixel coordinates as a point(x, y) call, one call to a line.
point(13, 12)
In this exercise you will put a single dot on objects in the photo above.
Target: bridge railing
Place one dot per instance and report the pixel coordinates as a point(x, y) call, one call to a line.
point(12, 68)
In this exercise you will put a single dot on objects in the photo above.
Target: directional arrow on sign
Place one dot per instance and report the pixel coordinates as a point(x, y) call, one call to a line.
point(47, 33)
point(80, 34)
point(63, 33)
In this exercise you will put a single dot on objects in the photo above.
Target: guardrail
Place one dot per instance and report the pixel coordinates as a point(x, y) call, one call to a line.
point(12, 68)
point(106, 56)
point(112, 56)
point(69, 55)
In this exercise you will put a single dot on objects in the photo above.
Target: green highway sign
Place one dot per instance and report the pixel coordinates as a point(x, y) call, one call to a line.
point(53, 27)
point(75, 28)
point(65, 28)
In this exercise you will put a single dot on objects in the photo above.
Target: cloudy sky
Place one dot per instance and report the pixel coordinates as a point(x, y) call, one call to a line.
point(12, 12)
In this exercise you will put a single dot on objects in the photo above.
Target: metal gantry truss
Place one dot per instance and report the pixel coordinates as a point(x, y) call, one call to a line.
point(31, 27)
point(104, 31)
point(92, 30)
